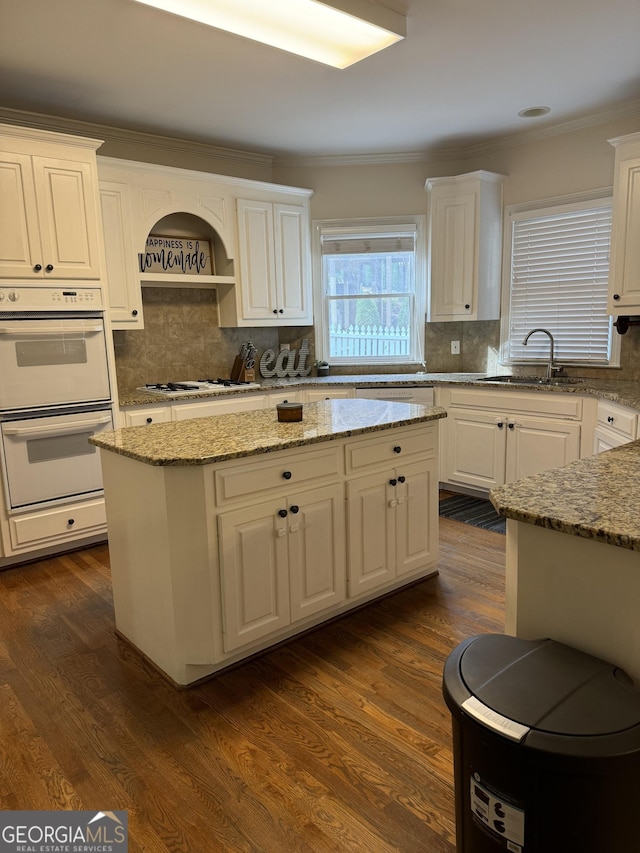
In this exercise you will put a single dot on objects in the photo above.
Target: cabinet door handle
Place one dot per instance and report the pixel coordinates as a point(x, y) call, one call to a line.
point(500, 424)
point(286, 475)
point(275, 310)
point(49, 268)
point(282, 513)
point(393, 482)
point(401, 479)
point(38, 268)
point(134, 313)
point(397, 449)
point(281, 311)
point(467, 307)
point(295, 509)
point(511, 426)
point(616, 296)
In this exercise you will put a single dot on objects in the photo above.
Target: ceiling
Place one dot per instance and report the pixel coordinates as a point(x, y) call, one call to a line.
point(459, 78)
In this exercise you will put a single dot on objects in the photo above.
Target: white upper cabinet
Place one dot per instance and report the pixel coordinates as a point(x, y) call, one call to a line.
point(465, 246)
point(49, 206)
point(273, 266)
point(624, 268)
point(123, 282)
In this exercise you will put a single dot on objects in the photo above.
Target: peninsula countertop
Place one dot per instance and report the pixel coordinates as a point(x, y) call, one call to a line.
point(594, 498)
point(201, 441)
point(623, 391)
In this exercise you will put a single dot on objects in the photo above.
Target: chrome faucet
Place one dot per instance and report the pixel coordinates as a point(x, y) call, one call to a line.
point(551, 367)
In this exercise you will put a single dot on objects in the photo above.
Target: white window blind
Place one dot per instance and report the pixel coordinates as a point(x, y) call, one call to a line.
point(559, 272)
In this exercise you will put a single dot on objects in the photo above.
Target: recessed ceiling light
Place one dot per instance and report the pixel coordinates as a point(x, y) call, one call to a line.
point(335, 32)
point(534, 112)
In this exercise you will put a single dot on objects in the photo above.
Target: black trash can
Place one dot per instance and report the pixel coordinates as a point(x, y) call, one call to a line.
point(546, 746)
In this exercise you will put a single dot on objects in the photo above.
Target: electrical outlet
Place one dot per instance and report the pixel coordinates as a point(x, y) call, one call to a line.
point(455, 347)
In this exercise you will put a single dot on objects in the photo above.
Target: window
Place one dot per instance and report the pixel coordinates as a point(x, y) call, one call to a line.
point(370, 290)
point(557, 280)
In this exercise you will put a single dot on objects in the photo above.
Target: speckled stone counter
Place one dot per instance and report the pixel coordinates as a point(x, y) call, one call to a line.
point(595, 498)
point(201, 441)
point(625, 392)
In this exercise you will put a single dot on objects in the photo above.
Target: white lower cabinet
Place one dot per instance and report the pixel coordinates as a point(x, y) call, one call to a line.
point(392, 525)
point(57, 525)
point(513, 437)
point(280, 561)
point(312, 395)
point(203, 409)
point(615, 425)
point(147, 415)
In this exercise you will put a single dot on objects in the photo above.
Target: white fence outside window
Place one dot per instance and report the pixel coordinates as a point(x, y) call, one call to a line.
point(368, 341)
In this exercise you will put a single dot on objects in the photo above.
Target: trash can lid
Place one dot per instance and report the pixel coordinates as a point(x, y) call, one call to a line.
point(549, 687)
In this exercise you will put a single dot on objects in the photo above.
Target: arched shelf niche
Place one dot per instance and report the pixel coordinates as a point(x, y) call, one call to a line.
point(191, 227)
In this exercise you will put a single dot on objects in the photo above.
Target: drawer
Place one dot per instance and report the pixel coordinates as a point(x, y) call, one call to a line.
point(618, 418)
point(142, 417)
point(554, 405)
point(62, 524)
point(388, 449)
point(231, 404)
point(275, 471)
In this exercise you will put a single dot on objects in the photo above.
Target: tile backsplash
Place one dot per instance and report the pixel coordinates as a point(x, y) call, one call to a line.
point(182, 340)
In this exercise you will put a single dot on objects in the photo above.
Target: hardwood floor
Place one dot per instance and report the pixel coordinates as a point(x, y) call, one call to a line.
point(337, 741)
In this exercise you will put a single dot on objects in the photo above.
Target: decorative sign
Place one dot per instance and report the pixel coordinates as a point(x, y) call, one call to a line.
point(288, 362)
point(182, 255)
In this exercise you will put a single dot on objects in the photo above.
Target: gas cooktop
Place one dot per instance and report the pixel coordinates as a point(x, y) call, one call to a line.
point(197, 386)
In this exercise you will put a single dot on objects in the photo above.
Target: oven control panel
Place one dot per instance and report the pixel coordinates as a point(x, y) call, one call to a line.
point(29, 298)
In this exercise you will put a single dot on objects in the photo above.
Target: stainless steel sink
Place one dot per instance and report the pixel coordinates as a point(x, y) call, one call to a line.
point(533, 380)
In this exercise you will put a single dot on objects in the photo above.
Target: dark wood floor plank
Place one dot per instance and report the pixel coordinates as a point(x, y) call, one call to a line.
point(337, 741)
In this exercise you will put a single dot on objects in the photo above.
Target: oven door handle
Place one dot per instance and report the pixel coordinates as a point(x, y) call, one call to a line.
point(63, 429)
point(76, 329)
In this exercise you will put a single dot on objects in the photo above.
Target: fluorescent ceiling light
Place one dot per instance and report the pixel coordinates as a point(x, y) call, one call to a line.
point(336, 32)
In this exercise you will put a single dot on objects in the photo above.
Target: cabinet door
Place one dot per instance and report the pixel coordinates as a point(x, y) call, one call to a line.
point(371, 526)
point(19, 235)
point(254, 573)
point(624, 272)
point(475, 448)
point(292, 252)
point(606, 439)
point(67, 193)
point(316, 546)
point(257, 261)
point(123, 283)
point(536, 444)
point(416, 516)
point(453, 258)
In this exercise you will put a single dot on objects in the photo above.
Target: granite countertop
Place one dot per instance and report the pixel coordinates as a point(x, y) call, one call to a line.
point(201, 441)
point(623, 391)
point(595, 498)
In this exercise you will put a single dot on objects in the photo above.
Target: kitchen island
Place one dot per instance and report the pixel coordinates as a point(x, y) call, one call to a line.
point(232, 533)
point(573, 555)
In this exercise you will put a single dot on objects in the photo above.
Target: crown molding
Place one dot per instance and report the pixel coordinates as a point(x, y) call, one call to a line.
point(130, 137)
point(458, 151)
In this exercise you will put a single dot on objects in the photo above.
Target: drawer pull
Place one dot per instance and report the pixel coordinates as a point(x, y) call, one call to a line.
point(610, 419)
point(71, 522)
point(397, 449)
point(282, 513)
point(286, 475)
point(149, 420)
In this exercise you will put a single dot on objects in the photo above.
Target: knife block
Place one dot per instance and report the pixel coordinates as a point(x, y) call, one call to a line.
point(247, 374)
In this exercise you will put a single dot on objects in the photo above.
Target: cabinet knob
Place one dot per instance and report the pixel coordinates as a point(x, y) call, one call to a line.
point(134, 313)
point(281, 311)
point(71, 522)
point(511, 426)
point(393, 482)
point(286, 475)
point(467, 307)
point(49, 268)
point(401, 478)
point(397, 449)
point(37, 268)
point(149, 420)
point(282, 513)
point(610, 419)
point(295, 509)
point(275, 310)
point(499, 424)
point(616, 296)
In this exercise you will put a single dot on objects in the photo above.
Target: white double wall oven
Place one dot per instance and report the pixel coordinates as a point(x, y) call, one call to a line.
point(54, 394)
